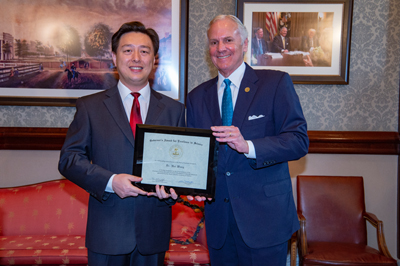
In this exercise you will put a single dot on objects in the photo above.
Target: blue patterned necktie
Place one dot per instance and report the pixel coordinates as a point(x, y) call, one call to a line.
point(260, 47)
point(227, 106)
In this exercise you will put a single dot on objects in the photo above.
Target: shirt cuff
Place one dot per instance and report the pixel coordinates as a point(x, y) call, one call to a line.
point(252, 150)
point(109, 185)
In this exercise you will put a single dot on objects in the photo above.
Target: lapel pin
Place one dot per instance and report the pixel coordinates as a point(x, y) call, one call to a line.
point(247, 89)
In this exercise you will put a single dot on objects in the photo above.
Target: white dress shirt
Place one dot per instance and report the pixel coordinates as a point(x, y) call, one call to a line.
point(236, 79)
point(127, 101)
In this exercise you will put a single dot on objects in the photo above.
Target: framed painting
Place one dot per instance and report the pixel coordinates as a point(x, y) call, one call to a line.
point(54, 52)
point(310, 39)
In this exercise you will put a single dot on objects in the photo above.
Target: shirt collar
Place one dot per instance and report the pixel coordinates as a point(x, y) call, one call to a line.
point(235, 78)
point(125, 92)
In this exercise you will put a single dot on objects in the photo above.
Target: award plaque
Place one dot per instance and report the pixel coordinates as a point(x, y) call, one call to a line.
point(184, 159)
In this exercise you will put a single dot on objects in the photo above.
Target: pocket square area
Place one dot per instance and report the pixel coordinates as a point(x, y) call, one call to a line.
point(252, 117)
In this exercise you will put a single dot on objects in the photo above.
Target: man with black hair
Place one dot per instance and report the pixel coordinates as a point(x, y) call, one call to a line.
point(126, 225)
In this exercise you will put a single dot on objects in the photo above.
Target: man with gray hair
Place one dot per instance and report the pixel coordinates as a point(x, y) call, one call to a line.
point(310, 41)
point(257, 119)
point(281, 43)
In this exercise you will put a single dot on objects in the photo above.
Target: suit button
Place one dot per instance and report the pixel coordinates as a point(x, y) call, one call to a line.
point(226, 200)
point(228, 174)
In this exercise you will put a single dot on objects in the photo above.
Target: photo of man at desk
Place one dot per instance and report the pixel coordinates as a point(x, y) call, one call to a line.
point(281, 43)
point(310, 41)
point(258, 43)
point(302, 48)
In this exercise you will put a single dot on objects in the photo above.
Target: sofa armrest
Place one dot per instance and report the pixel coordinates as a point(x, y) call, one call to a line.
point(202, 238)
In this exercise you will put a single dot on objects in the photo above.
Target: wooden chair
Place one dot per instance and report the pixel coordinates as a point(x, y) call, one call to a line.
point(295, 43)
point(269, 46)
point(332, 216)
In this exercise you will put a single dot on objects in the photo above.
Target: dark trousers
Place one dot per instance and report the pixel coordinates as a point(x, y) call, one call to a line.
point(132, 259)
point(236, 253)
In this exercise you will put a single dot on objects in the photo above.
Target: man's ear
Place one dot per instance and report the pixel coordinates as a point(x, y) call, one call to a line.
point(114, 58)
point(245, 45)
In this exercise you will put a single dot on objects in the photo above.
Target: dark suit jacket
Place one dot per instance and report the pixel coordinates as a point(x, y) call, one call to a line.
point(255, 48)
point(100, 143)
point(306, 43)
point(259, 190)
point(277, 45)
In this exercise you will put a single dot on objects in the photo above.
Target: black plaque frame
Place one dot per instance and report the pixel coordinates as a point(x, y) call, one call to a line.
point(212, 157)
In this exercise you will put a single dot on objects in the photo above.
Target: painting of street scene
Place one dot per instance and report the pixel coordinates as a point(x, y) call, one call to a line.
point(67, 44)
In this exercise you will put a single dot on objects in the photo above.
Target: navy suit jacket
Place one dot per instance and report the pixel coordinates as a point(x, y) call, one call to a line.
point(268, 113)
point(100, 143)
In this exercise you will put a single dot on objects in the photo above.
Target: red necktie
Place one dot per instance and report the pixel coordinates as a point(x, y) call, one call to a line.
point(136, 118)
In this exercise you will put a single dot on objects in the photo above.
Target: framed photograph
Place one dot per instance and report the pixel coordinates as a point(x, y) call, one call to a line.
point(176, 157)
point(310, 39)
point(52, 53)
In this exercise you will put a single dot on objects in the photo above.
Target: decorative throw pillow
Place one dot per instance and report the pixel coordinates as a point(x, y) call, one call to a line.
point(187, 220)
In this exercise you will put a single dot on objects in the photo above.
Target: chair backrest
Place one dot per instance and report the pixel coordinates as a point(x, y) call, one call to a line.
point(295, 43)
point(269, 46)
point(333, 207)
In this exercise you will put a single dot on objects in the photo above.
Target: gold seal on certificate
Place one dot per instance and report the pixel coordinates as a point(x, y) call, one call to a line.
point(182, 158)
point(176, 151)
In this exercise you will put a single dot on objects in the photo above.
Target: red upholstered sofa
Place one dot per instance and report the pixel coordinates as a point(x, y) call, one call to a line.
point(45, 224)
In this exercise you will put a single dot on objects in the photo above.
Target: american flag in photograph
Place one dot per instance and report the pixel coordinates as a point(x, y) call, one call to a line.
point(271, 21)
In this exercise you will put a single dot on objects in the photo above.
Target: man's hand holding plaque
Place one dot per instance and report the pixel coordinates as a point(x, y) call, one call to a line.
point(122, 186)
point(162, 194)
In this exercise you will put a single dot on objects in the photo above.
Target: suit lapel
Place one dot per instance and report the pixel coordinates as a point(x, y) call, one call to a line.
point(156, 107)
point(245, 97)
point(117, 111)
point(247, 91)
point(211, 102)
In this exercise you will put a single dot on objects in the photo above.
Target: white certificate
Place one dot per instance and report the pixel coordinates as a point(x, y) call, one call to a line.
point(175, 160)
